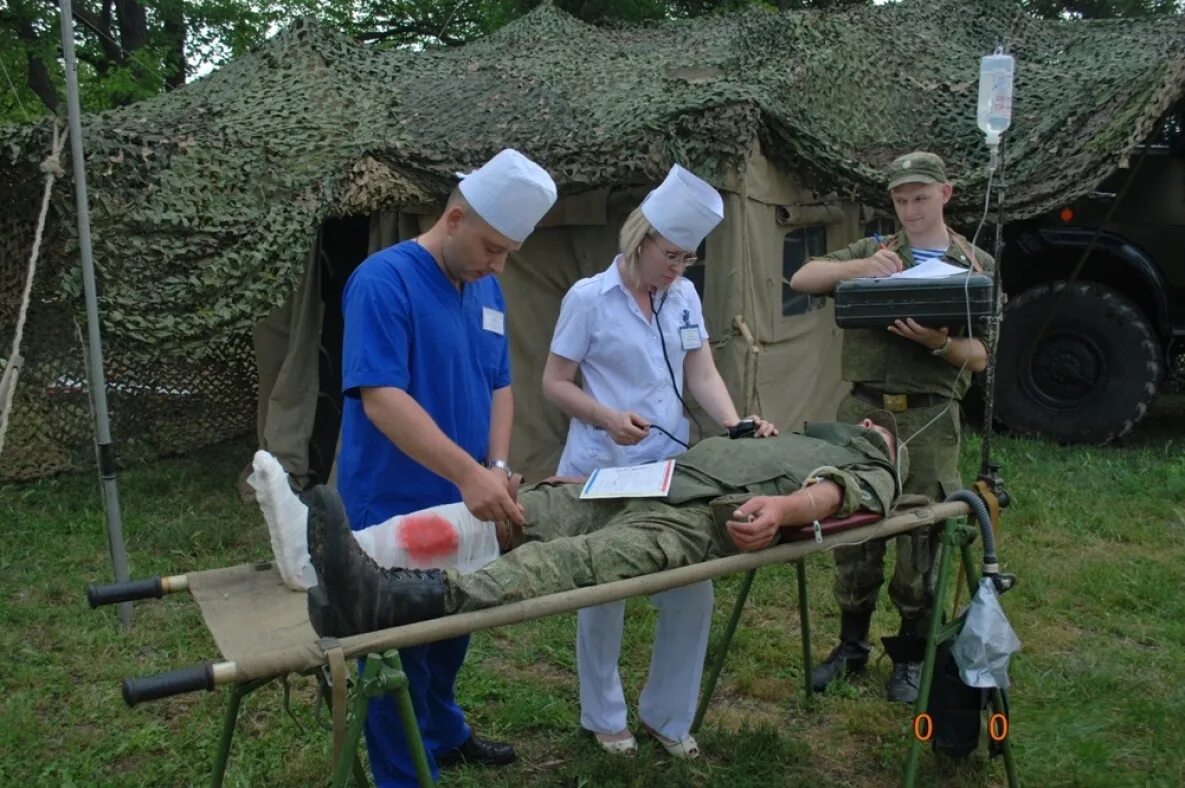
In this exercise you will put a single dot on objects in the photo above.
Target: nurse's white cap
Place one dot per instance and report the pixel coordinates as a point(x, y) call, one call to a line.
point(510, 192)
point(684, 209)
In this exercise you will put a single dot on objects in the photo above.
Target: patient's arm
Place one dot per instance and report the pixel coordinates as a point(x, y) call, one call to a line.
point(755, 523)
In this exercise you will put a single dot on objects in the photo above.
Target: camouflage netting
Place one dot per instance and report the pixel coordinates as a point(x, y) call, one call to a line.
point(206, 200)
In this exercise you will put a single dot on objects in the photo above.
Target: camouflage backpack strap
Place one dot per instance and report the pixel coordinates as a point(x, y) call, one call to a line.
point(966, 249)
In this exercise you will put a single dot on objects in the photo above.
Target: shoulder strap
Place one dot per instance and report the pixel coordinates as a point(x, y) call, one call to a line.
point(966, 249)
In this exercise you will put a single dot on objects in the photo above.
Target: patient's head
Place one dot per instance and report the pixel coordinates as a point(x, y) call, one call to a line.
point(898, 454)
point(886, 435)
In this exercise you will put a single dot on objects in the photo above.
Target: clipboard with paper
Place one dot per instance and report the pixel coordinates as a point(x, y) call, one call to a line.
point(652, 480)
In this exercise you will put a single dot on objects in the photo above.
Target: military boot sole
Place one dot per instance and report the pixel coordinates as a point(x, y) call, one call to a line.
point(327, 620)
point(327, 535)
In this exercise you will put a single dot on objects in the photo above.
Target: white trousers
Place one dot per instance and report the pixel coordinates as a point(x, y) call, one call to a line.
point(668, 700)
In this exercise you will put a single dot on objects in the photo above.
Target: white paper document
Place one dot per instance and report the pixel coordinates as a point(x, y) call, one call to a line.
point(931, 269)
point(652, 480)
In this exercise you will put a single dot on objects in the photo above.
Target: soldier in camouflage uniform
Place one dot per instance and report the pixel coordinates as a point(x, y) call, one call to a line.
point(725, 495)
point(917, 373)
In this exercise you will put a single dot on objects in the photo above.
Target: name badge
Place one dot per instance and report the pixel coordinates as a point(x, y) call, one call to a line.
point(493, 320)
point(689, 336)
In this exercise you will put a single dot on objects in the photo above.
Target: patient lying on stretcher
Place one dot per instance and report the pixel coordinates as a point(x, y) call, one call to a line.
point(725, 495)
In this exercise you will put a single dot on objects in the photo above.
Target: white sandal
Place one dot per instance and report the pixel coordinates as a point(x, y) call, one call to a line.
point(685, 748)
point(610, 743)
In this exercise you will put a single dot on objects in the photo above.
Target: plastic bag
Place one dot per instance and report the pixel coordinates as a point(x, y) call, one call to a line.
point(986, 644)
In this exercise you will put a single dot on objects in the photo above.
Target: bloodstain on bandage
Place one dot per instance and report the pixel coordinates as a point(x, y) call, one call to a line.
point(427, 536)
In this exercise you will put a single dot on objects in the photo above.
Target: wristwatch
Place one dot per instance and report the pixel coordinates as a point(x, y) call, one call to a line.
point(501, 465)
point(942, 349)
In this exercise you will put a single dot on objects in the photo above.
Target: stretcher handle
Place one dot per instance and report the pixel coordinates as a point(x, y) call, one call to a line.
point(128, 591)
point(172, 682)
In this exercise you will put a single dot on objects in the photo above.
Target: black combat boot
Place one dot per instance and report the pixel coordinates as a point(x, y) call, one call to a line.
point(354, 594)
point(907, 654)
point(850, 656)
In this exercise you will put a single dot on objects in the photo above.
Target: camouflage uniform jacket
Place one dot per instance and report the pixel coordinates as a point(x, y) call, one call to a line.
point(847, 454)
point(894, 364)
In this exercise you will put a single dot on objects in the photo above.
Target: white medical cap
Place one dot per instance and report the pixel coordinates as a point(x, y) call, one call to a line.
point(684, 209)
point(510, 192)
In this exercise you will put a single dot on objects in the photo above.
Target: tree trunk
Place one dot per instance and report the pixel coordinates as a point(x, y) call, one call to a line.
point(40, 83)
point(133, 35)
point(173, 16)
point(38, 76)
point(99, 26)
point(133, 25)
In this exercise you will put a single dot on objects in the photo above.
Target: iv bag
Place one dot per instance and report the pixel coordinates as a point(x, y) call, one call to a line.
point(995, 95)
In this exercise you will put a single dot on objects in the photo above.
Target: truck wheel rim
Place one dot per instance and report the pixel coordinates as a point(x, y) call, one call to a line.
point(1067, 368)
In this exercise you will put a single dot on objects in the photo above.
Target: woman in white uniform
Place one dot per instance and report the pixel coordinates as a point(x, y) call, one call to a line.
point(636, 334)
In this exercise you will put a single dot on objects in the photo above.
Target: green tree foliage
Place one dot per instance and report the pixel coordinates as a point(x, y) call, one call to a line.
point(127, 49)
point(1101, 9)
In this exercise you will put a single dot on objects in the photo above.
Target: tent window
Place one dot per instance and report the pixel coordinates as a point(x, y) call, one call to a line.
point(695, 273)
point(881, 225)
point(799, 246)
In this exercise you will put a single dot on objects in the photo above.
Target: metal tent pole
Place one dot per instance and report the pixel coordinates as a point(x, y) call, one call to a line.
point(95, 374)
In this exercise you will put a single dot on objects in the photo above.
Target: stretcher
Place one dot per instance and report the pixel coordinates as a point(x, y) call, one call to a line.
point(262, 631)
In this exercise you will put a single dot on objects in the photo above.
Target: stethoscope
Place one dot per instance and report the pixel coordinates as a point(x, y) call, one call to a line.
point(656, 311)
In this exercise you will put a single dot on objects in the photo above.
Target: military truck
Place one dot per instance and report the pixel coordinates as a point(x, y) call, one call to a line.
point(1096, 300)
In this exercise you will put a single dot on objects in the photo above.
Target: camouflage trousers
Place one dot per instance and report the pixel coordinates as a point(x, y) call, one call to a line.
point(934, 472)
point(569, 543)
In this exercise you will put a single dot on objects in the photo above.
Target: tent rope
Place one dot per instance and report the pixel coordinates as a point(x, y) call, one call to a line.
point(752, 397)
point(52, 167)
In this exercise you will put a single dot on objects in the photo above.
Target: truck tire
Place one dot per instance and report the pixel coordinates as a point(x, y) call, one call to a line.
point(1089, 377)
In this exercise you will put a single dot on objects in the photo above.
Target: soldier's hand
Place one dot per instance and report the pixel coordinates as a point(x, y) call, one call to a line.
point(626, 428)
point(929, 338)
point(754, 525)
point(486, 494)
point(881, 263)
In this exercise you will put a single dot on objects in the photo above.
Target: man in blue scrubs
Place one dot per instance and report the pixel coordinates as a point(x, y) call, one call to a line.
point(427, 415)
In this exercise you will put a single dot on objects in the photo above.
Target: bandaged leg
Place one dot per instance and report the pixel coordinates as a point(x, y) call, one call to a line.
point(442, 537)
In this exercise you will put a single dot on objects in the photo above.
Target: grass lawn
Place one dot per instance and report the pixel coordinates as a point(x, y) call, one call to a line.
point(1096, 537)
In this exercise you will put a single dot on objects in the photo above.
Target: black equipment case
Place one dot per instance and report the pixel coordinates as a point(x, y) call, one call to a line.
point(876, 303)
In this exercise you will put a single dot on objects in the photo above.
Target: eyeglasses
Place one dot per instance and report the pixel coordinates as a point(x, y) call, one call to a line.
point(674, 258)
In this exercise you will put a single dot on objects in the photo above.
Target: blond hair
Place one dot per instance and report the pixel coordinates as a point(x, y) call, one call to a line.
point(633, 233)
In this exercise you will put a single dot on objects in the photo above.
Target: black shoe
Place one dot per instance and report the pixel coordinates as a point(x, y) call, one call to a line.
point(907, 650)
point(354, 594)
point(479, 751)
point(850, 656)
point(903, 684)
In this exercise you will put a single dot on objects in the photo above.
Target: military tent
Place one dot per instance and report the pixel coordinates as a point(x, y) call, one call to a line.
point(228, 213)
